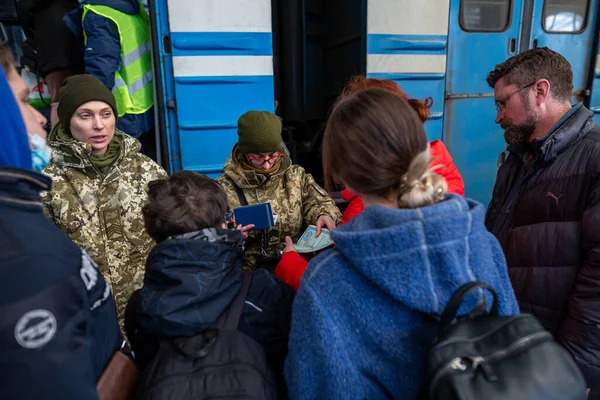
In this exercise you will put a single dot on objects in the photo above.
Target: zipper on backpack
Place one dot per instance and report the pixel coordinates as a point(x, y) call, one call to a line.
point(462, 364)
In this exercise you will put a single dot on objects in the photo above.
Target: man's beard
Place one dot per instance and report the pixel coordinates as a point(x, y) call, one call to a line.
point(517, 135)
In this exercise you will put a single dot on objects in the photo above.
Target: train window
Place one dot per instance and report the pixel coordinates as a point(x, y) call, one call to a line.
point(485, 15)
point(566, 16)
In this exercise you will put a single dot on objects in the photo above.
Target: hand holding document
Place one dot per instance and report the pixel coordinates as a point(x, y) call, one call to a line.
point(309, 242)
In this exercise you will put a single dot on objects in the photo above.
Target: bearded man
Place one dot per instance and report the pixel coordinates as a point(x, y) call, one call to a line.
point(545, 209)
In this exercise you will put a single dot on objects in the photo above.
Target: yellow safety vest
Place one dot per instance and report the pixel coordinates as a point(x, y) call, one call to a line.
point(133, 81)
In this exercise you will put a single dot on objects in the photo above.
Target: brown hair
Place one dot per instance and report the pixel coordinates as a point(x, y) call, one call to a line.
point(358, 82)
point(6, 60)
point(184, 202)
point(531, 65)
point(375, 144)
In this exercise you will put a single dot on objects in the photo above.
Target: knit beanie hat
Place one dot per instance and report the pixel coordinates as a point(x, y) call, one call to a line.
point(259, 132)
point(79, 89)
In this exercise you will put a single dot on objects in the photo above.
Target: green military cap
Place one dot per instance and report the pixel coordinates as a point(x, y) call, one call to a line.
point(259, 132)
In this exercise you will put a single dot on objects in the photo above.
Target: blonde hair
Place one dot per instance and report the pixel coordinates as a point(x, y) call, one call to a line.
point(420, 186)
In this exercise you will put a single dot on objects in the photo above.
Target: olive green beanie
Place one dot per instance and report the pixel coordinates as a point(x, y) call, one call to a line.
point(77, 90)
point(259, 132)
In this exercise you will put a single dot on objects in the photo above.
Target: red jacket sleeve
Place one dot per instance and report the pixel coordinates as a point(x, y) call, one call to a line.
point(447, 169)
point(355, 205)
point(290, 269)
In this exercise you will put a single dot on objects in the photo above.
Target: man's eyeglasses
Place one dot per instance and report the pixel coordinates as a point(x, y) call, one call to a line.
point(501, 102)
point(258, 158)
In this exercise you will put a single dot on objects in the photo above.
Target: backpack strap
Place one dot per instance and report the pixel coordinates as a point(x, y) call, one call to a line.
point(230, 318)
point(240, 195)
point(455, 302)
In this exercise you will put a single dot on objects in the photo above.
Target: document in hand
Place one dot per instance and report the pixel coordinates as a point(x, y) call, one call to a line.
point(309, 242)
point(261, 215)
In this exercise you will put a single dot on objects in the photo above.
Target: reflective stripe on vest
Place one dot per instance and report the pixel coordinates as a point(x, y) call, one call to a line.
point(133, 88)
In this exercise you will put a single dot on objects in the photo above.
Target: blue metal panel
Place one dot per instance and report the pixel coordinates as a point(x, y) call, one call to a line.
point(208, 109)
point(406, 44)
point(208, 106)
point(470, 134)
point(222, 43)
point(416, 85)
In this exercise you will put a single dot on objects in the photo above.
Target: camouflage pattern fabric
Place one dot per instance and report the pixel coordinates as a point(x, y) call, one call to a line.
point(103, 215)
point(295, 198)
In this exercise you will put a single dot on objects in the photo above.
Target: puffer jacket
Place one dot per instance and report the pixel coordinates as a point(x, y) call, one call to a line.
point(49, 290)
point(295, 198)
point(545, 211)
point(190, 280)
point(103, 214)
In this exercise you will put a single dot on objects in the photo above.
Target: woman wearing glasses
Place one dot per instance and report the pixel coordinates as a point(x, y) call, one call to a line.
point(260, 170)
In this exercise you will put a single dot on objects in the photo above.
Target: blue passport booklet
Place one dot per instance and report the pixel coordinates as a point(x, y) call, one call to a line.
point(261, 215)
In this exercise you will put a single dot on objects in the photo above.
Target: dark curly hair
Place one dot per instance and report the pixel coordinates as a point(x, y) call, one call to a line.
point(184, 202)
point(534, 64)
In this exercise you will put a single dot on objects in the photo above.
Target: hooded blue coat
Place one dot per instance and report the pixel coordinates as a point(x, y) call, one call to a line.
point(365, 314)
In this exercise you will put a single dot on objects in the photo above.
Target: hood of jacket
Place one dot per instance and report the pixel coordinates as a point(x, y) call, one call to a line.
point(433, 244)
point(130, 7)
point(75, 154)
point(14, 150)
point(250, 179)
point(190, 280)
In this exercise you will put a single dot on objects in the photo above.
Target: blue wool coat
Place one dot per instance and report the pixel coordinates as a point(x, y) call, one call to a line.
point(362, 319)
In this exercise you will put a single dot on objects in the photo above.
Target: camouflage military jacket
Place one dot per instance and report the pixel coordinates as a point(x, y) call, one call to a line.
point(103, 215)
point(295, 198)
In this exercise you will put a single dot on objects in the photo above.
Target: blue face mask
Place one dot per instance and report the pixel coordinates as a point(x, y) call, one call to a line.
point(41, 153)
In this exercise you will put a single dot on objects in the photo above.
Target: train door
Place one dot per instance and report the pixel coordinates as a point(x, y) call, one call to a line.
point(482, 34)
point(215, 59)
point(568, 27)
point(407, 43)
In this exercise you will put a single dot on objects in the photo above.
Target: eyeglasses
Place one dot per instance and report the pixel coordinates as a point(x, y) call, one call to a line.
point(273, 156)
point(501, 102)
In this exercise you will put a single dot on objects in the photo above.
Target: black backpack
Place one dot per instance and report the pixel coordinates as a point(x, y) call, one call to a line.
point(486, 356)
point(221, 362)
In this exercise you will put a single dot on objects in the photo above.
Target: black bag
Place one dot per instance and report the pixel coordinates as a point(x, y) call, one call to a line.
point(486, 356)
point(218, 363)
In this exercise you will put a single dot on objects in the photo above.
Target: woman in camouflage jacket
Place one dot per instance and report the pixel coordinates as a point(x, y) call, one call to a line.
point(99, 183)
point(260, 169)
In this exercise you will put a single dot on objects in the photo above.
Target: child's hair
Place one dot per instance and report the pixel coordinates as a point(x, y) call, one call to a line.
point(184, 202)
point(375, 144)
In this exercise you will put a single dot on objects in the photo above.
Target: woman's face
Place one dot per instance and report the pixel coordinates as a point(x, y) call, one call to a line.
point(94, 123)
point(264, 161)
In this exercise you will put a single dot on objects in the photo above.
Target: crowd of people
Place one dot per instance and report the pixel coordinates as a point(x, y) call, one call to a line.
point(103, 254)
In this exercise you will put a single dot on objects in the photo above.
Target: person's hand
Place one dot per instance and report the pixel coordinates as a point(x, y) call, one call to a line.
point(324, 220)
point(244, 229)
point(289, 245)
